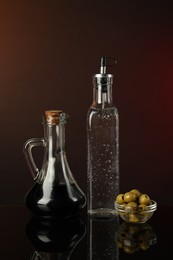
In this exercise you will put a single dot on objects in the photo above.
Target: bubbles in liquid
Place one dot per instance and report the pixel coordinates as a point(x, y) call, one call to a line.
point(103, 157)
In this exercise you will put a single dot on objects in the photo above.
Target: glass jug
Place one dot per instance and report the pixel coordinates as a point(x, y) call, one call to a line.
point(55, 192)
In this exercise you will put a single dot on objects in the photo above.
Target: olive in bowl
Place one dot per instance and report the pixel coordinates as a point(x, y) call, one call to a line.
point(135, 208)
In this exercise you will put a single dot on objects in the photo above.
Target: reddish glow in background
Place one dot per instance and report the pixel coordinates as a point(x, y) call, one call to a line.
point(48, 53)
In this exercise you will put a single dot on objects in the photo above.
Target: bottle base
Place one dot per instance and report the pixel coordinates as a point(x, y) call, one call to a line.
point(102, 213)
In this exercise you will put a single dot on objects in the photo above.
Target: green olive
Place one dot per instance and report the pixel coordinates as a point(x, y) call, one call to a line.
point(133, 218)
point(142, 207)
point(144, 199)
point(137, 192)
point(123, 206)
point(120, 198)
point(129, 196)
point(132, 205)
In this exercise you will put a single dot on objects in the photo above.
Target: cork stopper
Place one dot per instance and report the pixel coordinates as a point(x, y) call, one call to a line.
point(53, 117)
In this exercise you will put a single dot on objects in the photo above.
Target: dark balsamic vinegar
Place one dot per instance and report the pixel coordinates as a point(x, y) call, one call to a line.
point(63, 201)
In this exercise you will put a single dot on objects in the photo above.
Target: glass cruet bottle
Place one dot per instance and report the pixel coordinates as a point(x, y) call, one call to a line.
point(55, 192)
point(102, 146)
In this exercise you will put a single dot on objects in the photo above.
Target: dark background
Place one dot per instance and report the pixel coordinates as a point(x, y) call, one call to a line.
point(49, 51)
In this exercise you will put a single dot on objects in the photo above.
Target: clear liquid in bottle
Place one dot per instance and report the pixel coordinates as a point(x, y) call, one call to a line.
point(103, 149)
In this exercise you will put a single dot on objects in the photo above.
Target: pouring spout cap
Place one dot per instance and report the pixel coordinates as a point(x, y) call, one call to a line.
point(106, 61)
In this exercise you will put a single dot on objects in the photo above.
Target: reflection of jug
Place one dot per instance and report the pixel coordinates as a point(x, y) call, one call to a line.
point(55, 192)
point(132, 237)
point(55, 239)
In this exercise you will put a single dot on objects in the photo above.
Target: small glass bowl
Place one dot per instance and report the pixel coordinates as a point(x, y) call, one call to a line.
point(136, 215)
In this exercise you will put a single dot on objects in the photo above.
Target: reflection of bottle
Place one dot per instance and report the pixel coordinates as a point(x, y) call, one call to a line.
point(132, 237)
point(103, 147)
point(55, 192)
point(55, 239)
point(101, 239)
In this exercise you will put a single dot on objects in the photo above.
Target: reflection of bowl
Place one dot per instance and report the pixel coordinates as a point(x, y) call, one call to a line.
point(138, 215)
point(132, 237)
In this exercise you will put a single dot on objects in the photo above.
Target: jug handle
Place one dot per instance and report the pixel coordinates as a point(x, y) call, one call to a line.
point(27, 149)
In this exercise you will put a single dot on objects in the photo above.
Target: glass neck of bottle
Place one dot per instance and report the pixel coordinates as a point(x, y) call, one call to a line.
point(55, 139)
point(102, 96)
